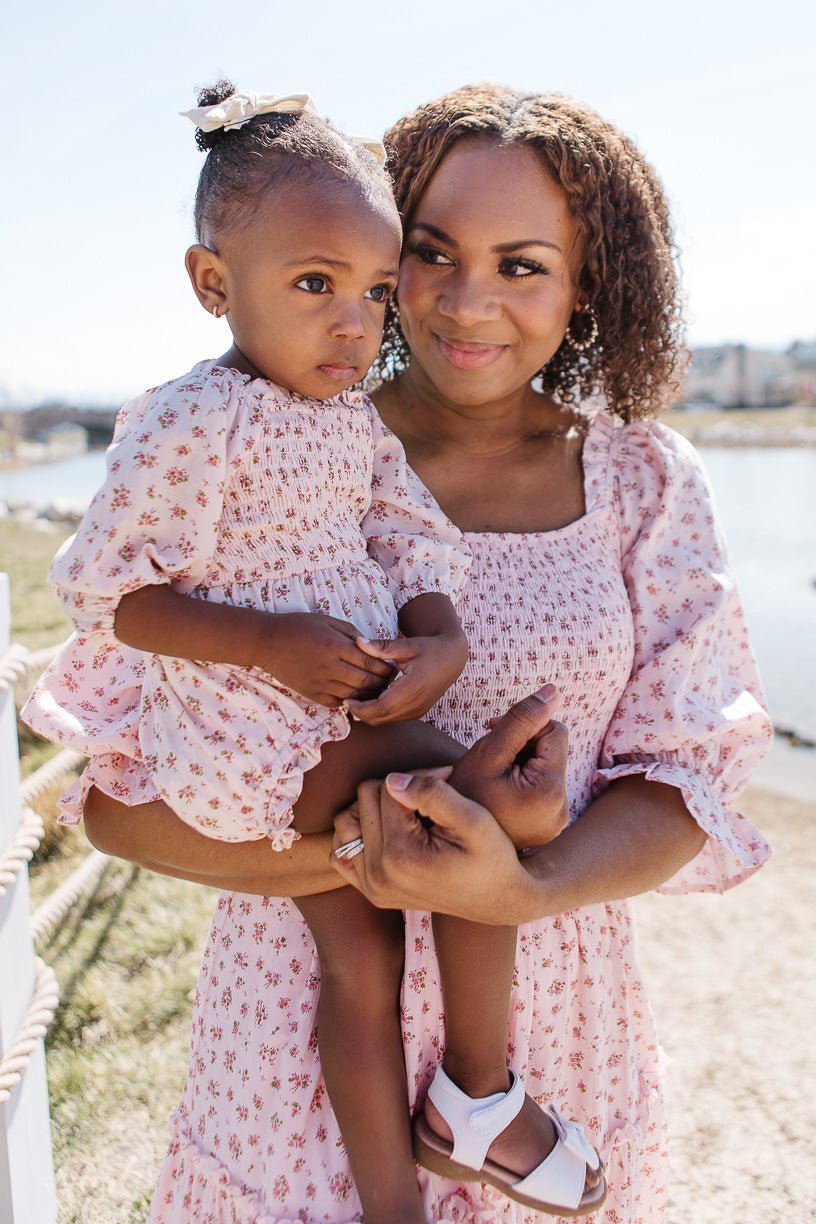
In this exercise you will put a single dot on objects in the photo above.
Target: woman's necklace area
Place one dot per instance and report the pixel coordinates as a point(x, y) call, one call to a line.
point(577, 428)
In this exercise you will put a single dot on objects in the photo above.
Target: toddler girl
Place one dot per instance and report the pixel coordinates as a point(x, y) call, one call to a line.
point(261, 481)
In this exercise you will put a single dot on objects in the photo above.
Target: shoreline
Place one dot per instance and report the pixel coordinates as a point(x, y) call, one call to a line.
point(788, 770)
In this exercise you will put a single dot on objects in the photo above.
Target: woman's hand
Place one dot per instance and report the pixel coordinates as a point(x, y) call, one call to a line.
point(426, 668)
point(318, 657)
point(463, 863)
point(518, 771)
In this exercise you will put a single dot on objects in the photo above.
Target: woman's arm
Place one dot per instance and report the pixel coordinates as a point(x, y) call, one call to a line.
point(153, 836)
point(635, 836)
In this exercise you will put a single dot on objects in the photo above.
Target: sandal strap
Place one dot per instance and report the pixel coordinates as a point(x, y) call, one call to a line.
point(560, 1178)
point(474, 1121)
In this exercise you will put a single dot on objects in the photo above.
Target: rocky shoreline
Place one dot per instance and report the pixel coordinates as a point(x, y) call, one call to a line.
point(746, 433)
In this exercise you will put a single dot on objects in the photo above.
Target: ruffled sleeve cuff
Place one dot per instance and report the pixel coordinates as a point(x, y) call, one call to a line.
point(426, 582)
point(735, 849)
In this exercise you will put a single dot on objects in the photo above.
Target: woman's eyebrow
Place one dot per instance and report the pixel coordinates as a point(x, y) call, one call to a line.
point(504, 248)
point(435, 232)
point(501, 248)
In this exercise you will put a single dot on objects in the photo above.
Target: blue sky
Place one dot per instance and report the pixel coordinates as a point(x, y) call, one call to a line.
point(100, 172)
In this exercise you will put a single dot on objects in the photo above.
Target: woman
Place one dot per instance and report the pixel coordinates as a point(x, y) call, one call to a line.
point(537, 248)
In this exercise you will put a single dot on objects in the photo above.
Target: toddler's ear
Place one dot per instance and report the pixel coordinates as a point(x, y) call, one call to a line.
point(205, 270)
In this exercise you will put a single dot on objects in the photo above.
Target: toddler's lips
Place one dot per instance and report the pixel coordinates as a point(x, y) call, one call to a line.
point(340, 372)
point(469, 355)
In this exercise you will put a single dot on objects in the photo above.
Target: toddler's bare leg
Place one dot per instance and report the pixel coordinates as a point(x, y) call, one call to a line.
point(367, 752)
point(361, 951)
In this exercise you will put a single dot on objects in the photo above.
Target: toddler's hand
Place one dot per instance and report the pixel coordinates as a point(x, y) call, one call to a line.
point(319, 658)
point(427, 667)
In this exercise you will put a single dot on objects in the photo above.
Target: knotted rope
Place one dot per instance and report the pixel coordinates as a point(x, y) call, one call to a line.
point(17, 666)
point(40, 1013)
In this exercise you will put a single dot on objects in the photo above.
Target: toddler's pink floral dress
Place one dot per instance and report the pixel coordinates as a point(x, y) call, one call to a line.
point(632, 612)
point(235, 491)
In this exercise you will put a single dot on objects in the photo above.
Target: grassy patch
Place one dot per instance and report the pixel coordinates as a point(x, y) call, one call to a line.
point(126, 958)
point(25, 554)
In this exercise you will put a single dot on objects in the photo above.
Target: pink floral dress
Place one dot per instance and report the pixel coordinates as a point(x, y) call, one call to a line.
point(632, 612)
point(235, 491)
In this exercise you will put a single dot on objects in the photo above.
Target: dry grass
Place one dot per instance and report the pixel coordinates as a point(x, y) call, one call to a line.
point(126, 960)
point(772, 418)
point(698, 425)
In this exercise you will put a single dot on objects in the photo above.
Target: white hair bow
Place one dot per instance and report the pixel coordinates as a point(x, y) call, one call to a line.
point(240, 107)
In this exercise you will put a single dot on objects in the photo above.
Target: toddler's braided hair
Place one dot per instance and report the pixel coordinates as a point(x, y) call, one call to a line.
point(629, 274)
point(271, 151)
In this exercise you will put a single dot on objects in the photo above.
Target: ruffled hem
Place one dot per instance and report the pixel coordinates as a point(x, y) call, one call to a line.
point(194, 1185)
point(121, 777)
point(735, 848)
point(127, 780)
point(300, 756)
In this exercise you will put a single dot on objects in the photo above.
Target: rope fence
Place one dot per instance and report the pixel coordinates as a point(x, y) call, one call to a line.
point(22, 1197)
point(34, 1027)
point(21, 849)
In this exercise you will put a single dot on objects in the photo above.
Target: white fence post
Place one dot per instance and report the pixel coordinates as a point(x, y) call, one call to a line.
point(27, 1190)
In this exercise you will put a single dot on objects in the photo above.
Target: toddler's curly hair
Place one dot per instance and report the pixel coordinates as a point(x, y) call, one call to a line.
point(629, 274)
point(270, 151)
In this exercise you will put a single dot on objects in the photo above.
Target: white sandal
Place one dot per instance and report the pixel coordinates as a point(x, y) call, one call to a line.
point(556, 1186)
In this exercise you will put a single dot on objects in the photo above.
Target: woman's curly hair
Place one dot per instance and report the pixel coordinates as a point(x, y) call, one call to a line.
point(629, 275)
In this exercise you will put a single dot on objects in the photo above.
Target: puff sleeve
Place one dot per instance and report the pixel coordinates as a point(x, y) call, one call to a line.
point(407, 534)
point(692, 714)
point(155, 518)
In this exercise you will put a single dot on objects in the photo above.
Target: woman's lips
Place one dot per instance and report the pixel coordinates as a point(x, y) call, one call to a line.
point(469, 355)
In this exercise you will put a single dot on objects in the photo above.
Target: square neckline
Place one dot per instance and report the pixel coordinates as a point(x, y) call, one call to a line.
point(594, 454)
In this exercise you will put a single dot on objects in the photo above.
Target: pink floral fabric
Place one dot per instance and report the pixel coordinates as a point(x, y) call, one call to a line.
point(235, 491)
point(632, 613)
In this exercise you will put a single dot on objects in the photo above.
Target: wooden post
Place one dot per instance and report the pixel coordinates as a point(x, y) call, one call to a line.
point(27, 1190)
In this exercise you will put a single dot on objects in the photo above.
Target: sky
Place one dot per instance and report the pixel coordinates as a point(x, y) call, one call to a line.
point(99, 171)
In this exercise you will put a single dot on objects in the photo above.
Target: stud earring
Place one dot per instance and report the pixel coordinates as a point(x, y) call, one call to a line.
point(581, 346)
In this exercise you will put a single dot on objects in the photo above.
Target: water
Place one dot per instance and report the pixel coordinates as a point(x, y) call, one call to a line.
point(68, 483)
point(767, 501)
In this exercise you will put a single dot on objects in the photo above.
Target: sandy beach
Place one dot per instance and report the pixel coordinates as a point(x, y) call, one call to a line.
point(733, 989)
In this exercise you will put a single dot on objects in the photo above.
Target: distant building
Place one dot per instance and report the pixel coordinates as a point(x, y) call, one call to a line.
point(64, 440)
point(735, 376)
point(800, 382)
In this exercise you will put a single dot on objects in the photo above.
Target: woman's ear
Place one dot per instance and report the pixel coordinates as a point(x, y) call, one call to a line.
point(206, 272)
